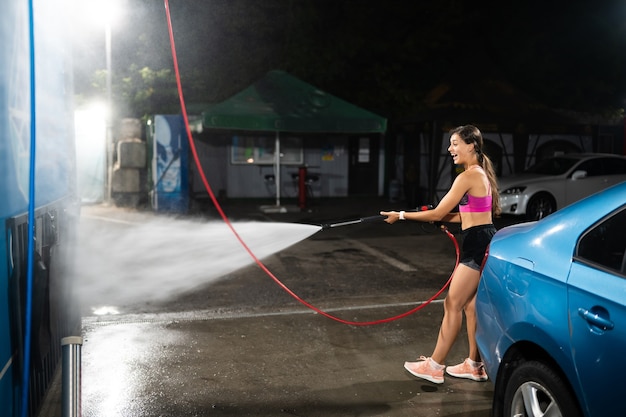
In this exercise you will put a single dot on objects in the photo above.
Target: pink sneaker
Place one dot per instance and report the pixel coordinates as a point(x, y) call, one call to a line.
point(425, 369)
point(466, 370)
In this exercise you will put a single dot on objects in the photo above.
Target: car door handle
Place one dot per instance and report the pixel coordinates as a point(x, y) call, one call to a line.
point(595, 319)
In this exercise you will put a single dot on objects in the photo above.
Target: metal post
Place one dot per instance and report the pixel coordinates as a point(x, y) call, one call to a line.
point(71, 391)
point(109, 114)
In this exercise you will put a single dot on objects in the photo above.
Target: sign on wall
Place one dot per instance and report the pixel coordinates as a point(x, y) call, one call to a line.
point(259, 150)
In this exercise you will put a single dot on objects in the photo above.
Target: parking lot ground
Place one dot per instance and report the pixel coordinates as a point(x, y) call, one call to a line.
point(241, 346)
point(274, 364)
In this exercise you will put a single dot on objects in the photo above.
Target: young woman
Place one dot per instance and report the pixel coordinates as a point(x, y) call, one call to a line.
point(475, 193)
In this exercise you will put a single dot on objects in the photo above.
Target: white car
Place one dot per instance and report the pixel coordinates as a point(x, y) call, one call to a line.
point(556, 182)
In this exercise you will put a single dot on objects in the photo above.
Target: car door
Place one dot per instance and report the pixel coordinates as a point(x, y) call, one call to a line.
point(594, 181)
point(597, 314)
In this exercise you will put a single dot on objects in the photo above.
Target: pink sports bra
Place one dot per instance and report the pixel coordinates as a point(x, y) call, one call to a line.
point(471, 204)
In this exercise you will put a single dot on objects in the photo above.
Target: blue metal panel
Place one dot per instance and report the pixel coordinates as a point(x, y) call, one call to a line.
point(14, 108)
point(14, 156)
point(54, 189)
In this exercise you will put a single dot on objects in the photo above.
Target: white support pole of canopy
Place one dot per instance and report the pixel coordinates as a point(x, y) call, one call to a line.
point(276, 208)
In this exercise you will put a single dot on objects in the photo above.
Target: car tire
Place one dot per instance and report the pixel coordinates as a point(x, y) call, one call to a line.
point(539, 206)
point(534, 389)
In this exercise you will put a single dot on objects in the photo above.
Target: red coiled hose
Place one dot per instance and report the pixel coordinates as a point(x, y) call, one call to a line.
point(209, 190)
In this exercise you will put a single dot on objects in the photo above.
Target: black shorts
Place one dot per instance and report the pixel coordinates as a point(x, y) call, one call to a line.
point(475, 242)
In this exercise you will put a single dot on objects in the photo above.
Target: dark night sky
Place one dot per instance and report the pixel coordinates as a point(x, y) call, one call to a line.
point(391, 52)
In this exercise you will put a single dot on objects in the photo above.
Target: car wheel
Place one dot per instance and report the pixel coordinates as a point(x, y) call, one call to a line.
point(540, 206)
point(535, 390)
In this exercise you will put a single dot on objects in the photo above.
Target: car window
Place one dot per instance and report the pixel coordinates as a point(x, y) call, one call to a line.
point(604, 244)
point(593, 167)
point(614, 166)
point(552, 166)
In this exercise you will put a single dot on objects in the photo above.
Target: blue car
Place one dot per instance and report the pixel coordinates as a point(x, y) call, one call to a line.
point(551, 309)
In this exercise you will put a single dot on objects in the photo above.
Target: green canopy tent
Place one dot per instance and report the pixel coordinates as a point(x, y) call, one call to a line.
point(280, 102)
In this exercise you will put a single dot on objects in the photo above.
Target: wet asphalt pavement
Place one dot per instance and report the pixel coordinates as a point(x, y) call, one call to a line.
point(243, 346)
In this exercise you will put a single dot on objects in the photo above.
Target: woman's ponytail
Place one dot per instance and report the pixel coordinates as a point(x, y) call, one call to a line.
point(487, 166)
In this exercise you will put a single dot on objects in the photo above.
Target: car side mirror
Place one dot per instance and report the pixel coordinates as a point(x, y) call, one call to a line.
point(580, 174)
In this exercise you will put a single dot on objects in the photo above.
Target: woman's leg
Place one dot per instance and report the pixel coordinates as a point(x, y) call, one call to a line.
point(470, 323)
point(462, 291)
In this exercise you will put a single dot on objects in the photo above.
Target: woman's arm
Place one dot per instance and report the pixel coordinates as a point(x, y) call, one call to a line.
point(452, 218)
point(443, 211)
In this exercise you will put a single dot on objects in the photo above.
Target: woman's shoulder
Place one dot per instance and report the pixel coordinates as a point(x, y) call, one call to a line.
point(473, 179)
point(472, 173)
point(475, 171)
point(465, 180)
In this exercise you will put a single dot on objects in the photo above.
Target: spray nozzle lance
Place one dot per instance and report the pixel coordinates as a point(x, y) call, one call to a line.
point(369, 219)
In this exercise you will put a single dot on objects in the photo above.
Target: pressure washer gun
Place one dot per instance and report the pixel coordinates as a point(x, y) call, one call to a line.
point(439, 224)
point(380, 217)
point(372, 219)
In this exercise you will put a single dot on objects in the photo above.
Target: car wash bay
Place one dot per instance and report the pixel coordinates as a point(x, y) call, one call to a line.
point(241, 345)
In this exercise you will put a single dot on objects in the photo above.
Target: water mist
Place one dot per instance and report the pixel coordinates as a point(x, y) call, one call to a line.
point(126, 263)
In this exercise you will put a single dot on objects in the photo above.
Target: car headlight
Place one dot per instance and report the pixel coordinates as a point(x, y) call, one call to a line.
point(514, 190)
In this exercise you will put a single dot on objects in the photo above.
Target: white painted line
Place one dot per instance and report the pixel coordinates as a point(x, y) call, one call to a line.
point(205, 315)
point(388, 259)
